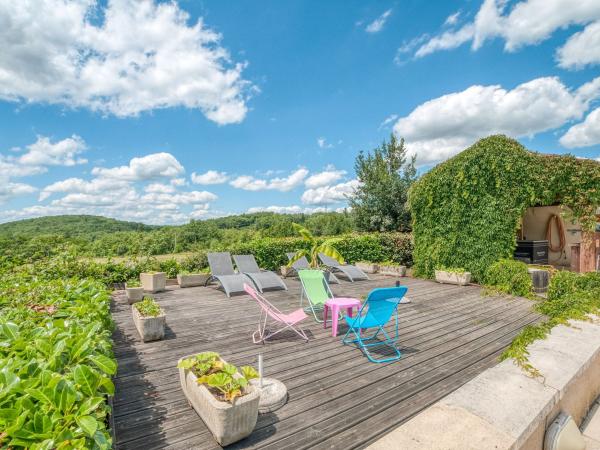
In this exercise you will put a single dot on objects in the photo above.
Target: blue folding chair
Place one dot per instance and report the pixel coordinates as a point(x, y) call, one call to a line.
point(375, 313)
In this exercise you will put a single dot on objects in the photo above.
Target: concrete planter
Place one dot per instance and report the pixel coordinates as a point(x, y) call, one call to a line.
point(367, 267)
point(192, 279)
point(286, 271)
point(398, 271)
point(134, 294)
point(228, 422)
point(153, 282)
point(461, 279)
point(150, 328)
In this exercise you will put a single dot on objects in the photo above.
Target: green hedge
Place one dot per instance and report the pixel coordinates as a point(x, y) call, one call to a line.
point(510, 277)
point(466, 211)
point(56, 362)
point(270, 254)
point(376, 247)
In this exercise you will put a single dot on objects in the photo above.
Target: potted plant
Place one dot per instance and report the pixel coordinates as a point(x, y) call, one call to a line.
point(392, 268)
point(452, 275)
point(149, 319)
point(367, 266)
point(153, 281)
point(187, 279)
point(221, 395)
point(134, 291)
point(326, 247)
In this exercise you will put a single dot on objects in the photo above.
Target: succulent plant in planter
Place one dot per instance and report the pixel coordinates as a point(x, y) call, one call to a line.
point(134, 291)
point(149, 319)
point(221, 395)
point(452, 275)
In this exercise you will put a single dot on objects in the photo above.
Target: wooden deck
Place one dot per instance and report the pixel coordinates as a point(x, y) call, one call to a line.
point(337, 398)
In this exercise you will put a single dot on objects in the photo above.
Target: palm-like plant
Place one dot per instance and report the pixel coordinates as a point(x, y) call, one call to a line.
point(326, 247)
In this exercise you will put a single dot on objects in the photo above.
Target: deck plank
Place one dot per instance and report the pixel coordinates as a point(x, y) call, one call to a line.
point(449, 334)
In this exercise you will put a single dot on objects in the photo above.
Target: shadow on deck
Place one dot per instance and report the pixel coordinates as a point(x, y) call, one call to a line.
point(337, 398)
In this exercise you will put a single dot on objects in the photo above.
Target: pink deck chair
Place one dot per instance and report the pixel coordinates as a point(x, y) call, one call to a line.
point(270, 311)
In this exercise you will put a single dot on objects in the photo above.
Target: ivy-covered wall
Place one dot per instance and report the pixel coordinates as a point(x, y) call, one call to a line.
point(466, 211)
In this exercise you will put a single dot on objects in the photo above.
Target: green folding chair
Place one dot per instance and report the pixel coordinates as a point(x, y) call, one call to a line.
point(315, 289)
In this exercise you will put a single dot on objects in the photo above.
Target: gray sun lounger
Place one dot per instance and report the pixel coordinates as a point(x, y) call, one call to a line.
point(221, 270)
point(263, 279)
point(352, 272)
point(302, 263)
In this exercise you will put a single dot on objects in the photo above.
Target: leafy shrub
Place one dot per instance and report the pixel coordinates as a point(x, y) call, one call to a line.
point(170, 266)
point(570, 296)
point(56, 362)
point(148, 307)
point(510, 277)
point(221, 378)
point(457, 270)
point(375, 247)
point(466, 211)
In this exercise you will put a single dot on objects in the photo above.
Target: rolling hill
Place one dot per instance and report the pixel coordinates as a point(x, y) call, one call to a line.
point(70, 226)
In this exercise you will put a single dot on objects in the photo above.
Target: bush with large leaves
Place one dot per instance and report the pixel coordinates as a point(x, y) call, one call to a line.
point(55, 363)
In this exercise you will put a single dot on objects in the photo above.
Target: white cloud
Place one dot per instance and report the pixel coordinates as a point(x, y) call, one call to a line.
point(322, 143)
point(388, 120)
point(80, 186)
point(210, 177)
point(407, 47)
point(58, 52)
point(581, 49)
point(62, 153)
point(180, 198)
point(293, 209)
point(147, 167)
point(250, 183)
point(11, 168)
point(585, 133)
point(160, 204)
point(446, 41)
point(9, 190)
point(325, 195)
point(452, 19)
point(529, 22)
point(160, 188)
point(178, 182)
point(377, 25)
point(328, 176)
point(38, 156)
point(441, 127)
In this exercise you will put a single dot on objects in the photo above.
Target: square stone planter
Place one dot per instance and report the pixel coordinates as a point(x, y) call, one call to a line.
point(461, 279)
point(228, 422)
point(153, 281)
point(134, 294)
point(192, 279)
point(367, 267)
point(150, 328)
point(286, 271)
point(397, 271)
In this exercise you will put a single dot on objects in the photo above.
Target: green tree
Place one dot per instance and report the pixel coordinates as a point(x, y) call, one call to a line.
point(386, 174)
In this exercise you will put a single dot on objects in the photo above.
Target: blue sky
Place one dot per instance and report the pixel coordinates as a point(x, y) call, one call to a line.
point(163, 112)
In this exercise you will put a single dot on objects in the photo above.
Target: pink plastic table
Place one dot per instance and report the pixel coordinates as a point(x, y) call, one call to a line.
point(335, 304)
